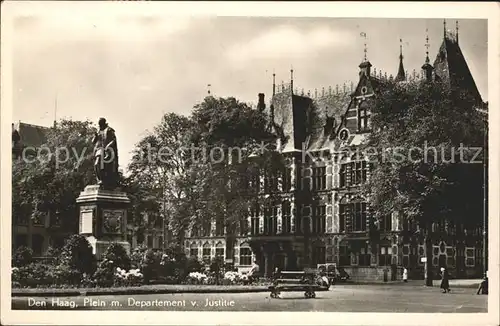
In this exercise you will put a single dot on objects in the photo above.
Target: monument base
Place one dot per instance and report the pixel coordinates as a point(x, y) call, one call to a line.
point(99, 246)
point(103, 217)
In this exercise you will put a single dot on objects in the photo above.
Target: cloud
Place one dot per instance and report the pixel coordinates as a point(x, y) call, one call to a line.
point(289, 41)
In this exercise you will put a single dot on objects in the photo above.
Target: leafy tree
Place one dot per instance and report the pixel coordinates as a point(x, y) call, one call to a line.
point(409, 177)
point(239, 145)
point(48, 182)
point(204, 172)
point(157, 167)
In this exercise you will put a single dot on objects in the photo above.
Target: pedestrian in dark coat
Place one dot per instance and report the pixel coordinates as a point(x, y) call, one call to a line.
point(445, 280)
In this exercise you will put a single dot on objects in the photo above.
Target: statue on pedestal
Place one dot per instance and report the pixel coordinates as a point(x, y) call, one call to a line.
point(106, 156)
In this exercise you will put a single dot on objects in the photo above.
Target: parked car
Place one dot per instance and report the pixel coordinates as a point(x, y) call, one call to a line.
point(335, 274)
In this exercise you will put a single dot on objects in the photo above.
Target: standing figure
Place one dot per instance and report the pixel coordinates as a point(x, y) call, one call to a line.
point(106, 155)
point(483, 286)
point(445, 280)
point(405, 275)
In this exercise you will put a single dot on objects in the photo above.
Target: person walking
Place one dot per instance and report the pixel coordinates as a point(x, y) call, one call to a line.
point(483, 287)
point(445, 280)
point(405, 275)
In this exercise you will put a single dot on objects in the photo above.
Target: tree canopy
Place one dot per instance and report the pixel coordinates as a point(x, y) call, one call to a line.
point(50, 180)
point(430, 149)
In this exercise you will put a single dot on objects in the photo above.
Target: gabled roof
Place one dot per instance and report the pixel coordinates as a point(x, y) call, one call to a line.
point(330, 109)
point(31, 135)
point(451, 67)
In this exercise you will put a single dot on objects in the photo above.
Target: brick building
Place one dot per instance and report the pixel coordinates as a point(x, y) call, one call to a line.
point(322, 216)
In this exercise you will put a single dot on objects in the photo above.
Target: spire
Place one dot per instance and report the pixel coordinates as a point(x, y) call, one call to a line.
point(427, 68)
point(365, 65)
point(291, 79)
point(208, 87)
point(444, 28)
point(401, 71)
point(456, 30)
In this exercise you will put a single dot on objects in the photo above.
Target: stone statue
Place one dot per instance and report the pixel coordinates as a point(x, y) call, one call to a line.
point(106, 156)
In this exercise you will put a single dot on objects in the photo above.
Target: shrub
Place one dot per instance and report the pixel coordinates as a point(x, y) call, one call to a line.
point(54, 254)
point(118, 255)
point(104, 275)
point(133, 277)
point(196, 278)
point(137, 256)
point(193, 265)
point(22, 256)
point(77, 255)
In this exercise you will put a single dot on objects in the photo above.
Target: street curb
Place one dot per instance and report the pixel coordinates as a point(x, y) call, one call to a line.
point(129, 291)
point(458, 286)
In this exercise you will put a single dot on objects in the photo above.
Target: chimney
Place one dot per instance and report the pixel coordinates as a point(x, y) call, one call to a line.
point(261, 104)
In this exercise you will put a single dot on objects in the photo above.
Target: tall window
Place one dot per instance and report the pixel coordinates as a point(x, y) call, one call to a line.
point(271, 220)
point(219, 250)
point(364, 256)
point(353, 173)
point(359, 217)
point(219, 226)
point(254, 183)
point(287, 179)
point(206, 228)
point(270, 182)
point(287, 217)
point(193, 251)
point(319, 219)
point(254, 219)
point(206, 252)
point(343, 216)
point(344, 257)
point(384, 258)
point(245, 255)
point(363, 117)
point(385, 223)
point(195, 231)
point(319, 178)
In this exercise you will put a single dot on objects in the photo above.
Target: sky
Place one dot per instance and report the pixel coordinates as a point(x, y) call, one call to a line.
point(132, 70)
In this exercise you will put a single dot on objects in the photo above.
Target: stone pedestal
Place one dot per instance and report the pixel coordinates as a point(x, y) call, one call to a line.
point(103, 217)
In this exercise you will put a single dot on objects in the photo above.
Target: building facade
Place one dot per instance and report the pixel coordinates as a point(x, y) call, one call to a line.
point(321, 216)
point(43, 231)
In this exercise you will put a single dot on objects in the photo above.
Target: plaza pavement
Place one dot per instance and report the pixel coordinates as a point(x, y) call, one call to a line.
point(341, 298)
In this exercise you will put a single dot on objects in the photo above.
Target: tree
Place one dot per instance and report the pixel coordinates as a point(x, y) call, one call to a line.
point(201, 166)
point(157, 171)
point(409, 177)
point(48, 182)
point(239, 146)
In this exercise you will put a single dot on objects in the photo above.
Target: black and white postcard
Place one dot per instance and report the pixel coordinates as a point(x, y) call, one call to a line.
point(250, 163)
